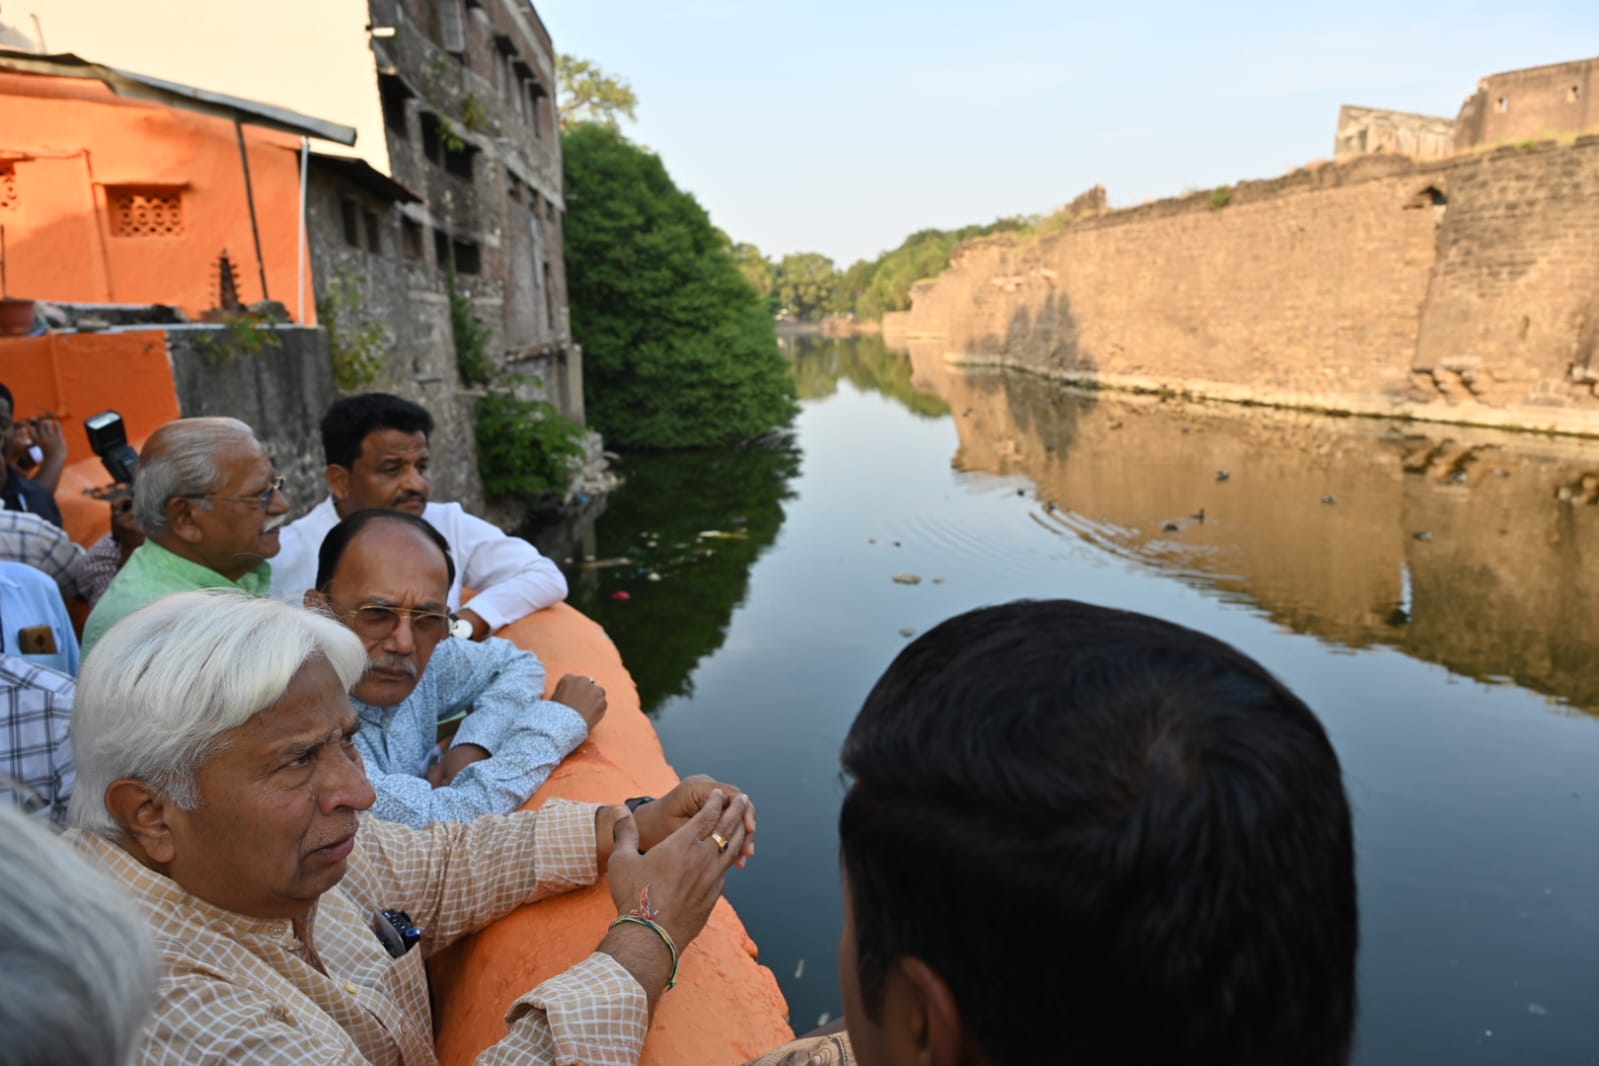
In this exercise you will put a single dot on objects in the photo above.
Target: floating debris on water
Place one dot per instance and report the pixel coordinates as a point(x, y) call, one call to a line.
point(1329, 499)
point(1423, 536)
point(938, 581)
point(621, 594)
point(907, 632)
point(1172, 527)
point(652, 576)
point(824, 1019)
point(592, 563)
point(1539, 1009)
point(907, 579)
point(1223, 475)
point(799, 971)
point(717, 534)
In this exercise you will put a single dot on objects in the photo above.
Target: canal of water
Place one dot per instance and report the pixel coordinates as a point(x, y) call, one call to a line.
point(1428, 590)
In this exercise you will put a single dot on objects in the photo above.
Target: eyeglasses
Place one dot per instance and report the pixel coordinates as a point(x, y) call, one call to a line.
point(264, 497)
point(374, 621)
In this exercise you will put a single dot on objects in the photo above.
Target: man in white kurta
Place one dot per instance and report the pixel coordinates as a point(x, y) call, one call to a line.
point(377, 455)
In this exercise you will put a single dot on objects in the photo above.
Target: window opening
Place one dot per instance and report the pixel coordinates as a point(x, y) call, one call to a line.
point(145, 211)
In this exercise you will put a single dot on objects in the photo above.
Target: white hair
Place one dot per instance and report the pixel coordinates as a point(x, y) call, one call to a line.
point(180, 458)
point(80, 970)
point(164, 682)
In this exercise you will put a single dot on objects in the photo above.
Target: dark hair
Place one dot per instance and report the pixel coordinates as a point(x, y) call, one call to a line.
point(351, 418)
point(338, 538)
point(1118, 841)
point(5, 394)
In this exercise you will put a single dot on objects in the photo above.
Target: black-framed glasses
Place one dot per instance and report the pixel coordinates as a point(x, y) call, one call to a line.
point(374, 621)
point(264, 497)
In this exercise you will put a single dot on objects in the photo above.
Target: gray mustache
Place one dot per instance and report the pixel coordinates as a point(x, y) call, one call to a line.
point(392, 662)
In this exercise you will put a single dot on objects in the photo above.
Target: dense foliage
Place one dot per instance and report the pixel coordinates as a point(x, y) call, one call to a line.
point(678, 349)
point(525, 448)
point(806, 285)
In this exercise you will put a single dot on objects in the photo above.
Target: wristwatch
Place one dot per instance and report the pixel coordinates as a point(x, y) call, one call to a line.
point(637, 801)
point(460, 627)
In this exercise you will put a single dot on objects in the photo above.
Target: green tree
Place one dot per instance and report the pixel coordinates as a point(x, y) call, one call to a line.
point(851, 284)
point(678, 349)
point(885, 283)
point(756, 268)
point(805, 284)
point(589, 95)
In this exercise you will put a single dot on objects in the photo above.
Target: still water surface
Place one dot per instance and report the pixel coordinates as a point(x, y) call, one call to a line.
point(1426, 589)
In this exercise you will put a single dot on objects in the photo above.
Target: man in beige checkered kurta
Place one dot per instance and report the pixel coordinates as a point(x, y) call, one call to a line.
point(220, 783)
point(245, 990)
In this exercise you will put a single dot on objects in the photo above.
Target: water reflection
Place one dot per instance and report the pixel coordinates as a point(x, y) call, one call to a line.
point(676, 542)
point(865, 362)
point(1462, 547)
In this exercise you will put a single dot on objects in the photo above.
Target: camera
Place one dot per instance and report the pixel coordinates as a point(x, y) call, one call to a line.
point(108, 436)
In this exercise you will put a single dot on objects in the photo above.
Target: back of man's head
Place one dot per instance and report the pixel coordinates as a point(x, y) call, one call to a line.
point(80, 972)
point(350, 419)
point(1116, 840)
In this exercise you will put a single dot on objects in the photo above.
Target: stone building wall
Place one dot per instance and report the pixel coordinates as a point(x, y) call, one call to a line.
point(280, 390)
point(467, 93)
point(1340, 287)
point(1373, 131)
point(1535, 103)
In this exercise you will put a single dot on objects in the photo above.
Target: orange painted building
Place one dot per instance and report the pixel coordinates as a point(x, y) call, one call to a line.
point(111, 199)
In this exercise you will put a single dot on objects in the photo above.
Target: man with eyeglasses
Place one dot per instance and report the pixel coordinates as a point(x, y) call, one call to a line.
point(378, 456)
point(210, 504)
point(386, 575)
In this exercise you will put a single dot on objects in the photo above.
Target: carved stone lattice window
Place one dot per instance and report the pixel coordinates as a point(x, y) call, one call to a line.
point(8, 187)
point(145, 212)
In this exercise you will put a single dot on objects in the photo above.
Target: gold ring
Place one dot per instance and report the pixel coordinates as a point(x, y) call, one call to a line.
point(721, 845)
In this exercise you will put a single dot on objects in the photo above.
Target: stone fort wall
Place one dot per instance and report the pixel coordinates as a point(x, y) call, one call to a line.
point(1535, 102)
point(1461, 290)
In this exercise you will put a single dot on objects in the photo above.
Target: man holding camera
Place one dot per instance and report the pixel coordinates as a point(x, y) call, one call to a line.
point(18, 493)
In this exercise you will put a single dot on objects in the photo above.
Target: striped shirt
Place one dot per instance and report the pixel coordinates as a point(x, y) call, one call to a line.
point(38, 756)
point(236, 989)
point(28, 538)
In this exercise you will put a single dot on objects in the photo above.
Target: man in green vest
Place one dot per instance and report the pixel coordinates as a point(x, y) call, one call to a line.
point(210, 504)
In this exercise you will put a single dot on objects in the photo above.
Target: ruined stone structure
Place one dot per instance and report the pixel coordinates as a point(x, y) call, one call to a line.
point(1536, 103)
point(1461, 290)
point(467, 97)
point(1373, 131)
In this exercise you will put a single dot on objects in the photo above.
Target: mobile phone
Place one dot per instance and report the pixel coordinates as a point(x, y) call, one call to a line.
point(36, 640)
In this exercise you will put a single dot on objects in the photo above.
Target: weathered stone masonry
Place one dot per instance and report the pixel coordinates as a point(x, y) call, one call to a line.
point(1462, 290)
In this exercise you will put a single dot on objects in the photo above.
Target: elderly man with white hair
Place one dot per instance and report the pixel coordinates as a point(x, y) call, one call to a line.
point(220, 783)
point(210, 504)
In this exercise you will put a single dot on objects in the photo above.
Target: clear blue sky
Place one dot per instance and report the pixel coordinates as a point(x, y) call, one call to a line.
point(841, 127)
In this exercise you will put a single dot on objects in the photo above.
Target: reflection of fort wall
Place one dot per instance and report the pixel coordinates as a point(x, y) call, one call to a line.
point(1495, 587)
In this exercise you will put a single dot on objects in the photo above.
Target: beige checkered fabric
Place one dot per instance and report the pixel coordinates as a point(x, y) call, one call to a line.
point(242, 990)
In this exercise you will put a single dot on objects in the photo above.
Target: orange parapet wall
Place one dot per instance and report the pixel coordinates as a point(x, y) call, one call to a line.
point(726, 1008)
point(76, 375)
